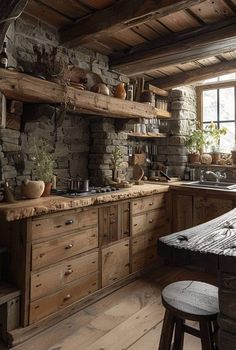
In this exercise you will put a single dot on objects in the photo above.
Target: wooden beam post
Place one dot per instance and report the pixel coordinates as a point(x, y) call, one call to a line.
point(3, 111)
point(9, 10)
point(203, 42)
point(122, 15)
point(195, 75)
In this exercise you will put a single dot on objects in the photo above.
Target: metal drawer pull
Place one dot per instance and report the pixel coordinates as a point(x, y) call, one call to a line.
point(67, 297)
point(150, 221)
point(151, 203)
point(69, 222)
point(68, 272)
point(69, 246)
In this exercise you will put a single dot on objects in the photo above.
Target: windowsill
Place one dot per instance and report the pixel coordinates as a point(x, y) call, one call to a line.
point(199, 165)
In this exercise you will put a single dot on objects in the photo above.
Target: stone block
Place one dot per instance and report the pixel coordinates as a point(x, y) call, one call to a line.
point(172, 150)
point(10, 147)
point(176, 140)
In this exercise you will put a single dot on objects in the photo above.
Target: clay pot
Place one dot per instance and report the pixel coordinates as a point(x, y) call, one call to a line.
point(147, 97)
point(193, 158)
point(215, 157)
point(119, 91)
point(32, 189)
point(233, 153)
point(47, 189)
point(100, 88)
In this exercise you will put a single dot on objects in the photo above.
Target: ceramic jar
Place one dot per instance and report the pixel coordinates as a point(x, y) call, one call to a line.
point(119, 91)
point(32, 189)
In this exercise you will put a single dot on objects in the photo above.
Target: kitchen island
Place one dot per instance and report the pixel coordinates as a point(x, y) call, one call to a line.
point(212, 245)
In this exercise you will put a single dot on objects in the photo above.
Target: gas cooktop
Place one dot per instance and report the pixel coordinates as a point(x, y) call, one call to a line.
point(92, 191)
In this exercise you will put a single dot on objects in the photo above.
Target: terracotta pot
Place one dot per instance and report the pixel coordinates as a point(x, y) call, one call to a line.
point(233, 153)
point(47, 189)
point(32, 189)
point(193, 158)
point(215, 157)
point(119, 91)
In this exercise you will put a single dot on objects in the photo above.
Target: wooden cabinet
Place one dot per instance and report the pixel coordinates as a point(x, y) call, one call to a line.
point(206, 208)
point(150, 220)
point(115, 262)
point(182, 212)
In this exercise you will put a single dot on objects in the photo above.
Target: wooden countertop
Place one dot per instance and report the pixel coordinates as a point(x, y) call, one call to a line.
point(26, 208)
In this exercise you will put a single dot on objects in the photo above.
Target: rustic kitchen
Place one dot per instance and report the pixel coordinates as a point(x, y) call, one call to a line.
point(117, 174)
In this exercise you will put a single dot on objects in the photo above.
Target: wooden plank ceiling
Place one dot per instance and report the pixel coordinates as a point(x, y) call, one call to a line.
point(166, 41)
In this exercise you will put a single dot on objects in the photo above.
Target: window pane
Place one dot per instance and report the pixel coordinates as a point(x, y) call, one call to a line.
point(210, 105)
point(212, 80)
point(227, 76)
point(227, 141)
point(227, 104)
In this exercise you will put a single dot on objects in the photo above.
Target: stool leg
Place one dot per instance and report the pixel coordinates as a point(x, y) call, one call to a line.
point(179, 335)
point(206, 335)
point(167, 331)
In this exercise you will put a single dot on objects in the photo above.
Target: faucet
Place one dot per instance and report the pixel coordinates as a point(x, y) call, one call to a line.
point(218, 176)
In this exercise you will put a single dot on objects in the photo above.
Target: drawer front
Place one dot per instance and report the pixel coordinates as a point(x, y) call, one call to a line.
point(55, 278)
point(115, 262)
point(148, 203)
point(148, 221)
point(146, 240)
point(50, 252)
point(227, 281)
point(57, 301)
point(56, 224)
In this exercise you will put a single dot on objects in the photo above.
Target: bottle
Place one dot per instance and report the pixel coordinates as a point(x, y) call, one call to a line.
point(187, 173)
point(3, 56)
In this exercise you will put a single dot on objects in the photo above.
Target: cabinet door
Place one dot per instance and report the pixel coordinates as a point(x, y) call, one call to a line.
point(182, 215)
point(208, 208)
point(115, 262)
point(114, 223)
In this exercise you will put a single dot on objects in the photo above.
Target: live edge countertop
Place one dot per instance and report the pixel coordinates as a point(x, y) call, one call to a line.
point(27, 208)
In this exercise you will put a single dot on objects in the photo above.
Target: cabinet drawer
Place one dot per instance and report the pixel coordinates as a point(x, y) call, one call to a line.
point(56, 224)
point(70, 294)
point(144, 258)
point(60, 248)
point(56, 277)
point(148, 203)
point(146, 240)
point(115, 262)
point(148, 221)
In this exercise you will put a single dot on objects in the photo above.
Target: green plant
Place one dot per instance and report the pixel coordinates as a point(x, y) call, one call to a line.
point(116, 160)
point(213, 136)
point(43, 161)
point(196, 139)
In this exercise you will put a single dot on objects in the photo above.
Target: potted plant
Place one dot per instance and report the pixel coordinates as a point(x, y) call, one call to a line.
point(213, 135)
point(44, 164)
point(195, 142)
point(117, 161)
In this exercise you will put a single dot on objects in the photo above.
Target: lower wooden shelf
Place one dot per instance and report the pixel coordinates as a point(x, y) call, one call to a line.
point(147, 136)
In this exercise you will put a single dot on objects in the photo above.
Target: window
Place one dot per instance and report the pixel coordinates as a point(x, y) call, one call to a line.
point(218, 105)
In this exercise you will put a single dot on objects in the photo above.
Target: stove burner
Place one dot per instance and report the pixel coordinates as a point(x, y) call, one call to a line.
point(92, 191)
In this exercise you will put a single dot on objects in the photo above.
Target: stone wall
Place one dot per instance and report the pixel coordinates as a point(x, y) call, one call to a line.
point(70, 141)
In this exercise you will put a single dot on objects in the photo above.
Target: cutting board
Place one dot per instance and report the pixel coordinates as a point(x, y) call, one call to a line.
point(137, 172)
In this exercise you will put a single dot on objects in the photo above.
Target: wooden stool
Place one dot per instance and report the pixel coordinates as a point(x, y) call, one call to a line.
point(189, 300)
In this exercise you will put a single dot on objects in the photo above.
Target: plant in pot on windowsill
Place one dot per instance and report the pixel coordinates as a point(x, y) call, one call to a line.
point(44, 164)
point(213, 140)
point(194, 143)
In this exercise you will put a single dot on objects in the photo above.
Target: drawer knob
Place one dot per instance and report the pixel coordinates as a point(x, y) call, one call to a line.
point(67, 297)
point(150, 221)
point(151, 203)
point(69, 246)
point(69, 222)
point(68, 272)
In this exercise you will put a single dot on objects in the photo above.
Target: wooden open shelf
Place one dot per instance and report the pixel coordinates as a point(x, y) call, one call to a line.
point(146, 136)
point(160, 113)
point(26, 88)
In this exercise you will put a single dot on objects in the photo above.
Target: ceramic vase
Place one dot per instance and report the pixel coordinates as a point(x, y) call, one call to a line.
point(32, 189)
point(47, 189)
point(119, 91)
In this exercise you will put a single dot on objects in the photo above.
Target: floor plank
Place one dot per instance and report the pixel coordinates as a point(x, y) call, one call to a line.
point(130, 318)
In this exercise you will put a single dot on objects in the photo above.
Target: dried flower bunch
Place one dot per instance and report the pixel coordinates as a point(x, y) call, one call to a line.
point(43, 161)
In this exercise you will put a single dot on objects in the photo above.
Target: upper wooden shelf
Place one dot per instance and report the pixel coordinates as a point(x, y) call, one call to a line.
point(26, 88)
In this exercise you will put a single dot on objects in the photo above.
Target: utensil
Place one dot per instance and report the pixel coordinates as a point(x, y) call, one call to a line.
point(73, 185)
point(84, 185)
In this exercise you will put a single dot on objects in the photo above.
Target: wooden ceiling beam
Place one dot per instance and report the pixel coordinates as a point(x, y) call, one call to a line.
point(195, 75)
point(200, 43)
point(9, 10)
point(122, 15)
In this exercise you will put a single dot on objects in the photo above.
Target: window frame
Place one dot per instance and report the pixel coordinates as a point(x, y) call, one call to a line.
point(213, 86)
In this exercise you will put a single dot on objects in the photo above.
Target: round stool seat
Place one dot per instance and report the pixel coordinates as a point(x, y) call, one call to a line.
point(192, 298)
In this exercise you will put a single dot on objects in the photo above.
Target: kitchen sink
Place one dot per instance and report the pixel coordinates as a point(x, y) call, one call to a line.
point(212, 184)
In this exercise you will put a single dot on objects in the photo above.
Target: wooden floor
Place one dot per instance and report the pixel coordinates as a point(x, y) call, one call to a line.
point(130, 318)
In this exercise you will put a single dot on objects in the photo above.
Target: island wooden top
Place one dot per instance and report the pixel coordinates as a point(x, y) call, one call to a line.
point(34, 207)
